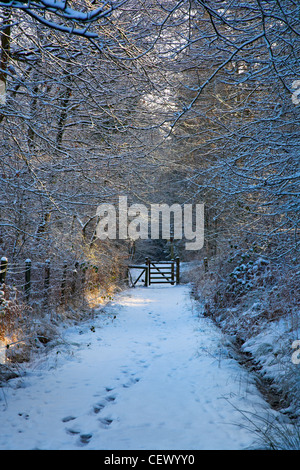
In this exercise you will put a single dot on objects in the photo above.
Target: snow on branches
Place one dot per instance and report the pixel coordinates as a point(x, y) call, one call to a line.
point(59, 9)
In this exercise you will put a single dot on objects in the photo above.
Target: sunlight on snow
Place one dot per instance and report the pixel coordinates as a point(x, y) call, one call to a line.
point(134, 302)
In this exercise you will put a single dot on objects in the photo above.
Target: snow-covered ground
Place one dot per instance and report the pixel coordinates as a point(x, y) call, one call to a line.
point(148, 373)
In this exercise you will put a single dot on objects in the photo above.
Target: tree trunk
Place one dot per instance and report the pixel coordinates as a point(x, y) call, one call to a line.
point(4, 58)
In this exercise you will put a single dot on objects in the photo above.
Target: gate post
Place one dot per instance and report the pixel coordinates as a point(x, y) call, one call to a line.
point(172, 273)
point(177, 270)
point(147, 273)
point(46, 281)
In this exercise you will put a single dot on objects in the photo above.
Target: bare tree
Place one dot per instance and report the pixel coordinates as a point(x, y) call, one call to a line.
point(233, 117)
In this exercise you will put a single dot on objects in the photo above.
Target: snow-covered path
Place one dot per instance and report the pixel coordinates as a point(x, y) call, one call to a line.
point(157, 376)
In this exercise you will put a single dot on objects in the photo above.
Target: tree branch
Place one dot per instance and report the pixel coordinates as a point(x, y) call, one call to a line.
point(61, 10)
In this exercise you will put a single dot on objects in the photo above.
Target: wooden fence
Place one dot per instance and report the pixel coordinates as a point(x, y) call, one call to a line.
point(44, 281)
point(55, 283)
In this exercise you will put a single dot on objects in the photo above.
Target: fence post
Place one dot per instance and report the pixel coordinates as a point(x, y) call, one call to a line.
point(47, 281)
point(63, 283)
point(147, 272)
point(3, 269)
point(27, 278)
point(177, 270)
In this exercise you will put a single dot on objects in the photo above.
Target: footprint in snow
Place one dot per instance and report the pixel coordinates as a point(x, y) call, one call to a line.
point(110, 398)
point(66, 419)
point(98, 407)
point(85, 438)
point(143, 364)
point(131, 382)
point(73, 431)
point(105, 422)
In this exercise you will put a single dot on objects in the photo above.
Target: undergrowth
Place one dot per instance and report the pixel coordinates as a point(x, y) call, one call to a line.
point(255, 300)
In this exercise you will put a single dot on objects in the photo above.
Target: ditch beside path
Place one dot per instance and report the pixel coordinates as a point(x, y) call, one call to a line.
point(149, 373)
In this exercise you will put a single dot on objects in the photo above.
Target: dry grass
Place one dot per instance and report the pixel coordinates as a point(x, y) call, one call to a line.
point(14, 314)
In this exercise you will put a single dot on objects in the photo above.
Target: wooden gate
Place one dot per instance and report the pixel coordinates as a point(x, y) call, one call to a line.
point(156, 272)
point(142, 270)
